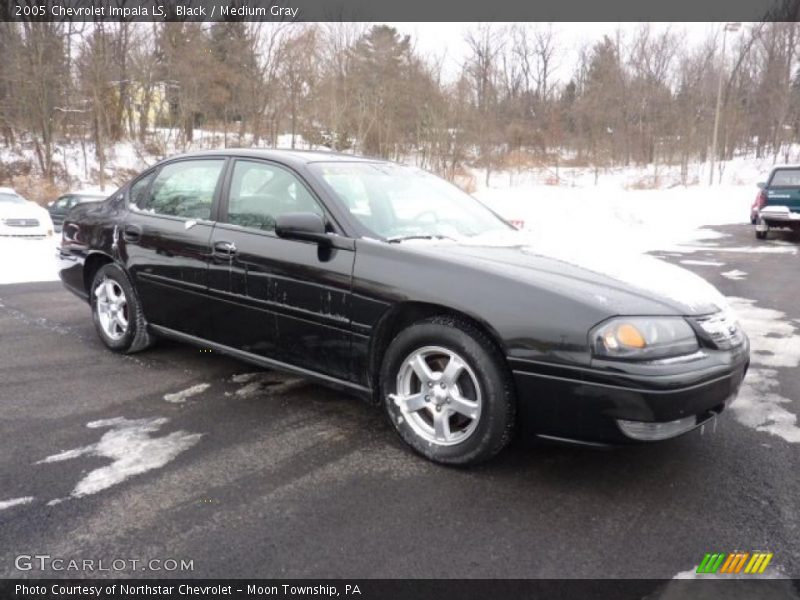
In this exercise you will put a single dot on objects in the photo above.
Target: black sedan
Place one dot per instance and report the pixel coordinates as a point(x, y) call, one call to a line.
point(391, 283)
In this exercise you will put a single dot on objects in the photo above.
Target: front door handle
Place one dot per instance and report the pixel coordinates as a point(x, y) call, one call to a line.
point(224, 249)
point(132, 233)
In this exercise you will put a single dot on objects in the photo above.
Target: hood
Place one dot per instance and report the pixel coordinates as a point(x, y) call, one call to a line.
point(28, 210)
point(616, 281)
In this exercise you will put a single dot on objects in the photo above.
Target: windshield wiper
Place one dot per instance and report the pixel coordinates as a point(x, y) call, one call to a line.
point(403, 238)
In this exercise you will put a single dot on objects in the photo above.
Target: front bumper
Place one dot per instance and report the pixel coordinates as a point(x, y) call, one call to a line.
point(587, 404)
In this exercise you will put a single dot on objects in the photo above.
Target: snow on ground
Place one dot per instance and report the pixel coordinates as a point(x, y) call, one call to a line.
point(773, 572)
point(180, 397)
point(266, 382)
point(25, 260)
point(4, 504)
point(609, 217)
point(775, 343)
point(734, 275)
point(703, 263)
point(132, 449)
point(244, 377)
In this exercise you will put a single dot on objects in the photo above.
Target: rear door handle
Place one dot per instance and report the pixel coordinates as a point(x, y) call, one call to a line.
point(132, 233)
point(224, 249)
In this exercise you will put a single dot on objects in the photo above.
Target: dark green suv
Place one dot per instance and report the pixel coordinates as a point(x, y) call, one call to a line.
point(778, 202)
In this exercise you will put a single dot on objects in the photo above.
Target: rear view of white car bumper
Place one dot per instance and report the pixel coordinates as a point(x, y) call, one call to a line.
point(25, 228)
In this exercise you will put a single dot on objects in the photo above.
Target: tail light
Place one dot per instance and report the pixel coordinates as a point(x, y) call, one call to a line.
point(761, 200)
point(69, 233)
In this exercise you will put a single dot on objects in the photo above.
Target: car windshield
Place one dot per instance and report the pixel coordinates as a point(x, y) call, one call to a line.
point(11, 198)
point(397, 202)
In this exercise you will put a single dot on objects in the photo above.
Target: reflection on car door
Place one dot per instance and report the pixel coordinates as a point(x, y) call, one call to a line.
point(166, 238)
point(283, 299)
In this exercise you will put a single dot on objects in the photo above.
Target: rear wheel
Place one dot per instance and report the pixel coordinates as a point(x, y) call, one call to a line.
point(447, 391)
point(762, 229)
point(116, 311)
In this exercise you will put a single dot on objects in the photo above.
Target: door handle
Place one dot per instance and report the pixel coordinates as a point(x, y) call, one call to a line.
point(224, 249)
point(132, 233)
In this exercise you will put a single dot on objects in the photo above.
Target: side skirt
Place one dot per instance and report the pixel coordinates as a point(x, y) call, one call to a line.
point(326, 380)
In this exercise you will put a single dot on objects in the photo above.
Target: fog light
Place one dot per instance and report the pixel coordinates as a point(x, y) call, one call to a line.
point(650, 432)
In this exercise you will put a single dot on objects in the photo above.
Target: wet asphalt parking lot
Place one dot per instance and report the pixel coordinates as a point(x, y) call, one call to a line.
point(248, 473)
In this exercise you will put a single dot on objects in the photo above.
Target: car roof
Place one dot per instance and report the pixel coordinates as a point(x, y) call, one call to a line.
point(287, 156)
point(8, 190)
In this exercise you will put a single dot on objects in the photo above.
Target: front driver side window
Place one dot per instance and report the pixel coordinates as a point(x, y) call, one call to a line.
point(182, 189)
point(260, 192)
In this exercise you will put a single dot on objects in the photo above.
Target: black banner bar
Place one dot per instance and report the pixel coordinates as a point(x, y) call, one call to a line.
point(380, 589)
point(405, 10)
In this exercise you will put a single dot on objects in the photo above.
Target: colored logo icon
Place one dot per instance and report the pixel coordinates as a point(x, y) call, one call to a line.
point(719, 562)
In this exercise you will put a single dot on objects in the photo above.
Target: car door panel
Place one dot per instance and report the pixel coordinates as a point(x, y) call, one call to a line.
point(241, 316)
point(312, 291)
point(169, 264)
point(294, 294)
point(166, 239)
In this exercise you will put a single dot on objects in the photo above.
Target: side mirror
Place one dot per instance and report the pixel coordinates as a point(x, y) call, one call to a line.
point(302, 226)
point(761, 185)
point(51, 203)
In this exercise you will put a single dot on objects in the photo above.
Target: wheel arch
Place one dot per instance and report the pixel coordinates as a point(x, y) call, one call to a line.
point(91, 265)
point(404, 314)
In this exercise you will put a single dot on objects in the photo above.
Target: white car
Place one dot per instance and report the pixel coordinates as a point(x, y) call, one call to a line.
point(22, 218)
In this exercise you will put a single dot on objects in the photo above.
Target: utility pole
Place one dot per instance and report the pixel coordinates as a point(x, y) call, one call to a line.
point(728, 27)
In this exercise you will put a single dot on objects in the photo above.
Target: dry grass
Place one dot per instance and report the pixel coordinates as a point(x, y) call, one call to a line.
point(648, 182)
point(465, 180)
point(37, 189)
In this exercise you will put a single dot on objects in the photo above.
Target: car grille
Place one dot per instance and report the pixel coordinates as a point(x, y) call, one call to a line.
point(22, 222)
point(723, 329)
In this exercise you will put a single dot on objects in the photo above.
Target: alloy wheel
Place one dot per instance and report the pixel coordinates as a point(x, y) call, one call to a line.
point(112, 308)
point(438, 395)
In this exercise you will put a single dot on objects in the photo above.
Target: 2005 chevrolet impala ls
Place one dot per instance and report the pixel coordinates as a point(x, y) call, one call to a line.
point(393, 284)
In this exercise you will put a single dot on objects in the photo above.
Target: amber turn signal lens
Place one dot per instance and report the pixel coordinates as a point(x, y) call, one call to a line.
point(629, 336)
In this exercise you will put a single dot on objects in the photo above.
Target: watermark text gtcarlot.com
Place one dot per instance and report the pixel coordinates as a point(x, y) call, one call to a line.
point(46, 562)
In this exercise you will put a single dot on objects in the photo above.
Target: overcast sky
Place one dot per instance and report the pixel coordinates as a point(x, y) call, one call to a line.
point(447, 39)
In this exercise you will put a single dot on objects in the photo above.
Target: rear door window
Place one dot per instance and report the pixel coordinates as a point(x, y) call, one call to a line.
point(182, 189)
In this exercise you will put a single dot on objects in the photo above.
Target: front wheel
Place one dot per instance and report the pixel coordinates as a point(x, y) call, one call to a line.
point(447, 391)
point(116, 312)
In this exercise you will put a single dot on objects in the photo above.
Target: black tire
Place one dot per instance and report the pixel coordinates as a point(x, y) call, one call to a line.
point(136, 337)
point(761, 235)
point(495, 425)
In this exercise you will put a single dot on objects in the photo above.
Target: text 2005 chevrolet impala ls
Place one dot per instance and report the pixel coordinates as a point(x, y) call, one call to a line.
point(393, 284)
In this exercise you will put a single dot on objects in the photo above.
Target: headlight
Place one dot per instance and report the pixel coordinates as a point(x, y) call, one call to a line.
point(643, 338)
